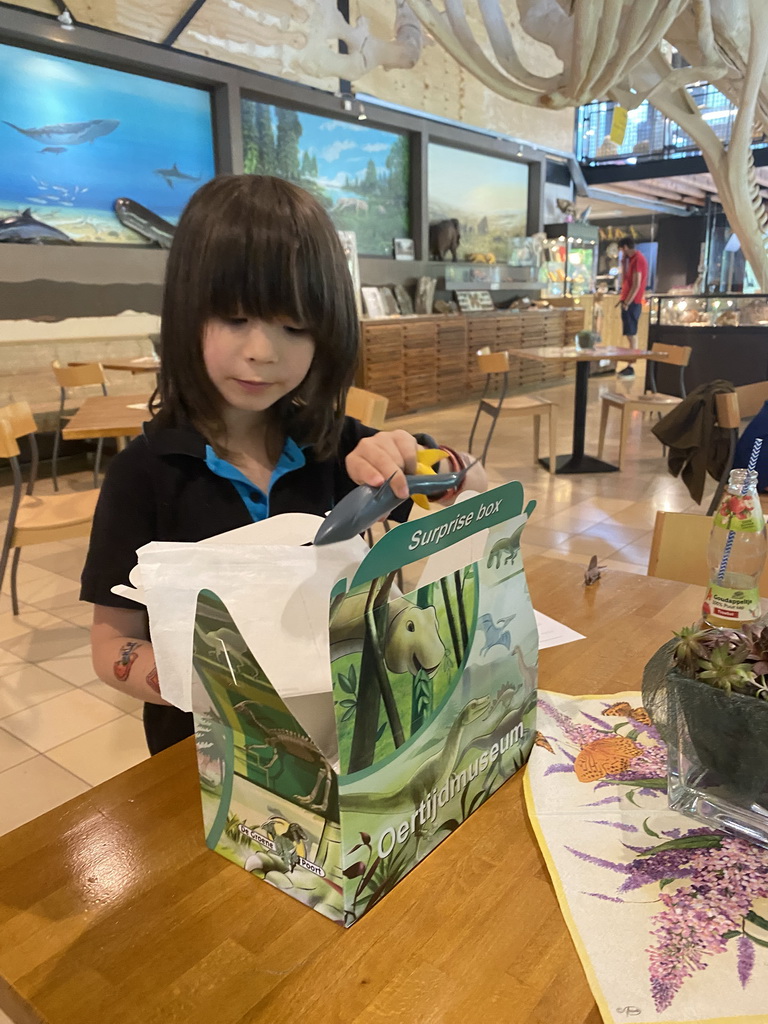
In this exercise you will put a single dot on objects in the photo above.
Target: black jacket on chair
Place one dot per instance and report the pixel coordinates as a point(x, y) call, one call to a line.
point(696, 444)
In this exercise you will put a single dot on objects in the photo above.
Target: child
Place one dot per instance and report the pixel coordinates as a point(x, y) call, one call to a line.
point(259, 345)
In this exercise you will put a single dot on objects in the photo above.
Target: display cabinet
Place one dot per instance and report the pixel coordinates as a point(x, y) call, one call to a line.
point(571, 265)
point(710, 310)
point(727, 334)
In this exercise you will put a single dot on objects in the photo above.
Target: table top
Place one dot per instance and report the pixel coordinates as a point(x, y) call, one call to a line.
point(142, 364)
point(580, 355)
point(113, 910)
point(108, 416)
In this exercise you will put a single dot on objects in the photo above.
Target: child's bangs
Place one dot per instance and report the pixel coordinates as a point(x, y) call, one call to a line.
point(265, 276)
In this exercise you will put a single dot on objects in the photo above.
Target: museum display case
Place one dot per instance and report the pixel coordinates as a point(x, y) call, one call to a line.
point(726, 332)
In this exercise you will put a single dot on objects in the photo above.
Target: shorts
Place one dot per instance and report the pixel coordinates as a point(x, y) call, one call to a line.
point(630, 318)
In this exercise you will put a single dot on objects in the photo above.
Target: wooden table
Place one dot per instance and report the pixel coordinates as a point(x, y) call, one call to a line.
point(108, 416)
point(141, 364)
point(577, 461)
point(113, 911)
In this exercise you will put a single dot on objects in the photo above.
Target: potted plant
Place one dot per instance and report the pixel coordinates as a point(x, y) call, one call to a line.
point(707, 693)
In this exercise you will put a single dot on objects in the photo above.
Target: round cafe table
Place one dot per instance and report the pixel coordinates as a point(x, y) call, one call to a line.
point(577, 461)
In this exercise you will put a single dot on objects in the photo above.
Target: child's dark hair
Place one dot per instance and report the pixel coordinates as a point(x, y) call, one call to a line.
point(627, 241)
point(250, 245)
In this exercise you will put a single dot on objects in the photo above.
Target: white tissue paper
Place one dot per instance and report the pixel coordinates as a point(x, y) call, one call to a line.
point(278, 593)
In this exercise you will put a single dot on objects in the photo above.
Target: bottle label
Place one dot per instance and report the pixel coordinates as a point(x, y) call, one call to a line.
point(741, 513)
point(732, 604)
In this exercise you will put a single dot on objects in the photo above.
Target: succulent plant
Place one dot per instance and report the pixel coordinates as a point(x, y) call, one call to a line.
point(732, 660)
point(727, 669)
point(691, 647)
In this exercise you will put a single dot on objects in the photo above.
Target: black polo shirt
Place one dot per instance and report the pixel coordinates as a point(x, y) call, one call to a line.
point(161, 489)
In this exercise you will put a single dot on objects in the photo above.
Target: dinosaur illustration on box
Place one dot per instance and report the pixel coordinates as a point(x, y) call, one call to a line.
point(411, 637)
point(503, 715)
point(495, 634)
point(431, 774)
point(227, 642)
point(293, 744)
point(507, 548)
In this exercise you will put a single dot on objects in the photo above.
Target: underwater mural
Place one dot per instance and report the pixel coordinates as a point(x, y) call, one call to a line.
point(359, 174)
point(77, 137)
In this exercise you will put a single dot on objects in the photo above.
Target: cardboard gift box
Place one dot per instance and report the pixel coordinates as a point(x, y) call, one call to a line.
point(345, 728)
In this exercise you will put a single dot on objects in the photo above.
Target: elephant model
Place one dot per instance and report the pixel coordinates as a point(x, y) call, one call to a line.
point(444, 237)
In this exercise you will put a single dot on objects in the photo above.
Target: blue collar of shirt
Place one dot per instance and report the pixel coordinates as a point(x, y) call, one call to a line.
point(256, 501)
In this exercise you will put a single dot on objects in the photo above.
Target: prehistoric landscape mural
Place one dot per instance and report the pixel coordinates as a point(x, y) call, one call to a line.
point(359, 173)
point(77, 137)
point(487, 195)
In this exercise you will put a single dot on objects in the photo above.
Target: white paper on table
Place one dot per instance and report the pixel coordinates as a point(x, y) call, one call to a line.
point(138, 405)
point(553, 633)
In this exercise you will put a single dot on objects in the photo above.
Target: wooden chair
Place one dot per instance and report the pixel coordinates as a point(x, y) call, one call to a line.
point(68, 377)
point(35, 520)
point(367, 406)
point(651, 401)
point(679, 549)
point(493, 364)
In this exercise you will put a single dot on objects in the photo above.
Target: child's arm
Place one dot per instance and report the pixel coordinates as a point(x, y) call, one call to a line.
point(122, 653)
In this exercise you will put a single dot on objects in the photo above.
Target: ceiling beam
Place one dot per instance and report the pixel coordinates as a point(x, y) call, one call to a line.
point(181, 24)
point(643, 203)
point(663, 167)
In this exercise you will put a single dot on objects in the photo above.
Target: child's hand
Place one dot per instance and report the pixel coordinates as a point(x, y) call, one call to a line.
point(376, 458)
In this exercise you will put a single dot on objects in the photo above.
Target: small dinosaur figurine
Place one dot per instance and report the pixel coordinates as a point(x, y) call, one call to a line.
point(361, 508)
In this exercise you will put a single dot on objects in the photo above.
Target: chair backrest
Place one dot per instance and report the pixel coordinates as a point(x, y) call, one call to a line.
point(78, 376)
point(492, 362)
point(679, 549)
point(9, 449)
point(673, 355)
point(728, 409)
point(19, 418)
point(752, 397)
point(366, 406)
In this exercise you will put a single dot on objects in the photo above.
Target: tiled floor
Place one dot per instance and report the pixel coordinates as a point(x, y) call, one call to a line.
point(61, 730)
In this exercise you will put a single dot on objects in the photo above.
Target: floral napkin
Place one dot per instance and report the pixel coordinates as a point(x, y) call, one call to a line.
point(670, 918)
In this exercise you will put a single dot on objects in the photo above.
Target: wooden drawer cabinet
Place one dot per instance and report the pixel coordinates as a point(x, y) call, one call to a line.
point(427, 361)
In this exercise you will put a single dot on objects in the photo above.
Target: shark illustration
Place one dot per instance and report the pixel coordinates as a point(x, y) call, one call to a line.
point(57, 136)
point(22, 227)
point(144, 222)
point(169, 174)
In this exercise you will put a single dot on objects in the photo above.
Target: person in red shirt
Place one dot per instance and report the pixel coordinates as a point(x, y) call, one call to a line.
point(633, 281)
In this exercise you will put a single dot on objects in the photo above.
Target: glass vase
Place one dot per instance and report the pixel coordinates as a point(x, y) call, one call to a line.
point(718, 758)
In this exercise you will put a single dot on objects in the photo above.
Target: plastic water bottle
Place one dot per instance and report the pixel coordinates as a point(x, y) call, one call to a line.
point(736, 554)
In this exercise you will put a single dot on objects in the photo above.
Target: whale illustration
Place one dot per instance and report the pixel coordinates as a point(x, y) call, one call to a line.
point(169, 174)
point(57, 136)
point(144, 222)
point(23, 227)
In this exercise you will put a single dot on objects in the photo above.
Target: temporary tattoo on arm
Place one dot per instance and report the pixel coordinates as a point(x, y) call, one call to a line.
point(152, 681)
point(128, 654)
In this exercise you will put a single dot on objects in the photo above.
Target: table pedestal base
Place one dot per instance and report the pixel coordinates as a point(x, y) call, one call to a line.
point(579, 464)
